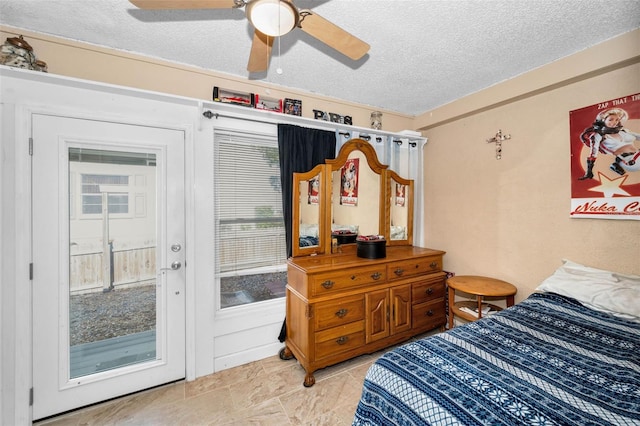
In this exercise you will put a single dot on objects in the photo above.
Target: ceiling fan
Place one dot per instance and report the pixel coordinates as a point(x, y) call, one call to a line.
point(270, 19)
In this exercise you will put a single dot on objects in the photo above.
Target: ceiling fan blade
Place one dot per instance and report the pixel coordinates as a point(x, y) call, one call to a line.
point(187, 4)
point(332, 35)
point(260, 52)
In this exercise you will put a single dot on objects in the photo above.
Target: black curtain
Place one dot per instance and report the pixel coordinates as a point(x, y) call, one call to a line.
point(300, 150)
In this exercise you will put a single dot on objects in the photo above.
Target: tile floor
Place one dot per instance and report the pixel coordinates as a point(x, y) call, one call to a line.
point(265, 392)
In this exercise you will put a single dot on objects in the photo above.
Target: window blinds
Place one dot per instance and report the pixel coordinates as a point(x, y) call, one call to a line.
point(248, 202)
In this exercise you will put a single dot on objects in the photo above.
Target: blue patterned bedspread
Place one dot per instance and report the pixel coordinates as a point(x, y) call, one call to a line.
point(308, 241)
point(545, 361)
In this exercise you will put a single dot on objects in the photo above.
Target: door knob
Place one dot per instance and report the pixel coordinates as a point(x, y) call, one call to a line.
point(174, 266)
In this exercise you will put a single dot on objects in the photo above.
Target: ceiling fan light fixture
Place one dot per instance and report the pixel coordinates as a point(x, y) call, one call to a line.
point(272, 17)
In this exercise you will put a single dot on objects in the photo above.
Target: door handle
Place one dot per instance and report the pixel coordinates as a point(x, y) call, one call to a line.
point(174, 266)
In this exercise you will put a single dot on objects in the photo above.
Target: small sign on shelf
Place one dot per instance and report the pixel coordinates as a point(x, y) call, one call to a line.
point(293, 106)
point(268, 104)
point(231, 97)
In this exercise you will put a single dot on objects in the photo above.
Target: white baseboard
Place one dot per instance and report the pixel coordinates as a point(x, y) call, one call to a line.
point(247, 356)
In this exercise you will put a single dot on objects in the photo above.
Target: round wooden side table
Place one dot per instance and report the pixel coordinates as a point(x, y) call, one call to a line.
point(480, 287)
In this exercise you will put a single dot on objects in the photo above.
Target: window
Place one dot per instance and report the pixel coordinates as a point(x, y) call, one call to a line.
point(117, 185)
point(250, 246)
point(92, 196)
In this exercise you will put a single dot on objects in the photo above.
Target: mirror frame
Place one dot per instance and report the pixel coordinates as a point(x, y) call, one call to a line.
point(325, 212)
point(296, 250)
point(391, 176)
point(372, 161)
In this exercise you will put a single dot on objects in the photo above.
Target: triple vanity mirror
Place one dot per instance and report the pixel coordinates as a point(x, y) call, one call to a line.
point(353, 194)
point(309, 212)
point(399, 223)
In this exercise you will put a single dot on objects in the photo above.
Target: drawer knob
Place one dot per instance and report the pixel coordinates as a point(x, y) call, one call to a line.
point(376, 275)
point(341, 313)
point(327, 284)
point(433, 265)
point(429, 291)
point(342, 340)
point(429, 313)
point(399, 272)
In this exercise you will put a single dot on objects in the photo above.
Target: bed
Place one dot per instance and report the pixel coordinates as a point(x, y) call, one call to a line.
point(308, 241)
point(308, 235)
point(569, 354)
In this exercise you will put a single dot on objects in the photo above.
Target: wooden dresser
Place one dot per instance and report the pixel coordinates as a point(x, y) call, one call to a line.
point(340, 306)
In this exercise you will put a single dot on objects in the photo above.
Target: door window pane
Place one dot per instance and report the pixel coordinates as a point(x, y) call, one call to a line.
point(112, 264)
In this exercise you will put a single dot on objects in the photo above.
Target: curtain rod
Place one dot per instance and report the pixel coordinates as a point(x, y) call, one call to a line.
point(210, 114)
point(318, 124)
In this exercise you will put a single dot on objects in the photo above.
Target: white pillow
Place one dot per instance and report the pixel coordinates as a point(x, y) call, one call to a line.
point(398, 233)
point(308, 230)
point(606, 291)
point(351, 228)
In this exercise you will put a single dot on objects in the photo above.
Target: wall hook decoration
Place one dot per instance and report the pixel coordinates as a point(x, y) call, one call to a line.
point(498, 139)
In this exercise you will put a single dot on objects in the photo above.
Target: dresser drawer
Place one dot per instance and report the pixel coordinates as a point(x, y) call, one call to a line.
point(427, 291)
point(338, 312)
point(339, 339)
point(335, 281)
point(428, 315)
point(413, 267)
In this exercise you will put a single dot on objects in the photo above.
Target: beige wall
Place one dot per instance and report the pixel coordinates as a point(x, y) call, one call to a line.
point(84, 61)
point(509, 218)
point(505, 218)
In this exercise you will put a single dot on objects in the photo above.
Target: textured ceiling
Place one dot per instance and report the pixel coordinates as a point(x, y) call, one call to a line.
point(423, 54)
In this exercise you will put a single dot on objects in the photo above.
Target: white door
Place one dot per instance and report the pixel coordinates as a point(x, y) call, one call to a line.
point(108, 260)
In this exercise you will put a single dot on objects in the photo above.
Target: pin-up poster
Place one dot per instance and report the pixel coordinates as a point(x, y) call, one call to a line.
point(605, 159)
point(349, 182)
point(314, 190)
point(400, 194)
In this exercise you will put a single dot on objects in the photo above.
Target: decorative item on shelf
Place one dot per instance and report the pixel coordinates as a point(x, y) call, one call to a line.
point(371, 246)
point(332, 117)
point(320, 115)
point(376, 120)
point(39, 65)
point(231, 97)
point(293, 106)
point(16, 52)
point(268, 104)
point(498, 139)
point(342, 119)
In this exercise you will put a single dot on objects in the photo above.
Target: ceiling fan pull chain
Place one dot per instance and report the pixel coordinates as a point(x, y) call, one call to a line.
point(279, 69)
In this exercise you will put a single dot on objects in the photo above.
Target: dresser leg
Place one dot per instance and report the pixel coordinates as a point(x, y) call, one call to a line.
point(285, 354)
point(309, 380)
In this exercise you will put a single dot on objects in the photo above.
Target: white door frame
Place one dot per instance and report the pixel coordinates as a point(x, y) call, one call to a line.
point(20, 399)
point(56, 388)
